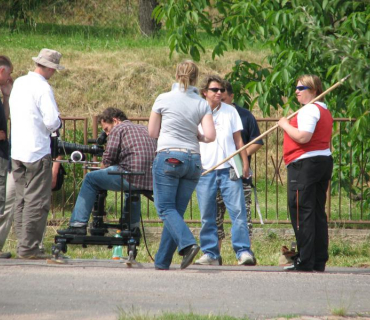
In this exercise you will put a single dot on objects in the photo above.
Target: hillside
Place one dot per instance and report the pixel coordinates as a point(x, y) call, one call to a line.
point(128, 78)
point(108, 62)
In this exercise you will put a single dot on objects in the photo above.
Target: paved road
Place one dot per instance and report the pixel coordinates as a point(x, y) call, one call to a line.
point(97, 289)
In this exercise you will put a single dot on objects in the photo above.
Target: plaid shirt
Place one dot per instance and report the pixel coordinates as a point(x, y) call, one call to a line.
point(130, 147)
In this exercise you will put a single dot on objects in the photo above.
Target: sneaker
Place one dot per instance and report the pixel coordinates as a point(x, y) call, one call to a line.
point(207, 260)
point(79, 231)
point(37, 256)
point(247, 259)
point(5, 255)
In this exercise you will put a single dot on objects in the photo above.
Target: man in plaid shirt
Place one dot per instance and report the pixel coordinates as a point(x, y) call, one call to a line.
point(129, 148)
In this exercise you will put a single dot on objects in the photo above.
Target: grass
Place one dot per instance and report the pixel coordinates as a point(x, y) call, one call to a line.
point(124, 315)
point(340, 312)
point(266, 244)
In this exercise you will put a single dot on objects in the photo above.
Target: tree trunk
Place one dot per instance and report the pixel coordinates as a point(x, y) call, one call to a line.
point(147, 25)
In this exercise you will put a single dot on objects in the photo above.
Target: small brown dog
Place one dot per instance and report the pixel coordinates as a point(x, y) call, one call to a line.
point(287, 255)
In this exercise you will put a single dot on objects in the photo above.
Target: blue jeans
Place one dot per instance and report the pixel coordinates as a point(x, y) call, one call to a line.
point(95, 181)
point(232, 193)
point(173, 185)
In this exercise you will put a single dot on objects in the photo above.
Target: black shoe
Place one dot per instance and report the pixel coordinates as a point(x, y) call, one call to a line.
point(79, 231)
point(189, 254)
point(290, 268)
point(297, 266)
point(319, 267)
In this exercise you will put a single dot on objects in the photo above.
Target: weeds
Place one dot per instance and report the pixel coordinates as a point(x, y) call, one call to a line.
point(340, 312)
point(135, 315)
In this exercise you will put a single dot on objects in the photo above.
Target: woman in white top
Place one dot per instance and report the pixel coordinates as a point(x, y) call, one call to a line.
point(177, 167)
point(308, 158)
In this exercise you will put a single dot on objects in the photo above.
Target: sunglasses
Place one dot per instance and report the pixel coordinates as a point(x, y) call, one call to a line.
point(301, 88)
point(215, 90)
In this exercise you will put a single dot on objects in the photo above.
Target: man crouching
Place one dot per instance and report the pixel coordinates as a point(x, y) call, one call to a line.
point(129, 148)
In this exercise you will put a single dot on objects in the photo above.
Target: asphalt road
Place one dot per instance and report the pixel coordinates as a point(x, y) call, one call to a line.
point(99, 289)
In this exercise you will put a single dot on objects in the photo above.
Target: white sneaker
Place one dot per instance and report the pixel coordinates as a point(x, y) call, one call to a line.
point(207, 260)
point(247, 259)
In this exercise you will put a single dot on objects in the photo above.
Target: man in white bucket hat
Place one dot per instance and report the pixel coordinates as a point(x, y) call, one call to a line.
point(35, 116)
point(49, 58)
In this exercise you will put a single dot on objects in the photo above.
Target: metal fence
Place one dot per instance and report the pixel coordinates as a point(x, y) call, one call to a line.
point(269, 179)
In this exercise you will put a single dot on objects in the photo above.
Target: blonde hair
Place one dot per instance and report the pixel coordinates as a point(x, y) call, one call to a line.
point(311, 81)
point(187, 74)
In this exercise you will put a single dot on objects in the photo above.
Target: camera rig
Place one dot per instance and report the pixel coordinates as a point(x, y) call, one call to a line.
point(98, 228)
point(77, 151)
point(130, 237)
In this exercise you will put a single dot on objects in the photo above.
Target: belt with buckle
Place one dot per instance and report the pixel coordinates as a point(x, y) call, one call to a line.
point(178, 149)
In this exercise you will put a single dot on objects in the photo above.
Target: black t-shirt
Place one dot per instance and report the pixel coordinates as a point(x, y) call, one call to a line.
point(250, 131)
point(4, 145)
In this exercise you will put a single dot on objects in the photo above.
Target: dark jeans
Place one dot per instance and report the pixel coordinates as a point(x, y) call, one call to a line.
point(308, 181)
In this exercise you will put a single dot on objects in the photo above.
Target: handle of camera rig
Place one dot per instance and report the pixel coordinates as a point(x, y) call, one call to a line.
point(129, 174)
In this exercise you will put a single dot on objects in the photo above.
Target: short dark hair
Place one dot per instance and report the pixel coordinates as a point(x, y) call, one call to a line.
point(228, 87)
point(207, 80)
point(5, 62)
point(108, 114)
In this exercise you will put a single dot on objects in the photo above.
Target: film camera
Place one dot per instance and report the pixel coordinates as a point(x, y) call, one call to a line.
point(78, 151)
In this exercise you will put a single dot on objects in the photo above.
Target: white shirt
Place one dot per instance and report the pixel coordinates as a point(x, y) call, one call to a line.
point(227, 121)
point(34, 116)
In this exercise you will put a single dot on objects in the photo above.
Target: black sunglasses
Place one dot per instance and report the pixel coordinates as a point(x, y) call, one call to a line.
point(301, 88)
point(215, 90)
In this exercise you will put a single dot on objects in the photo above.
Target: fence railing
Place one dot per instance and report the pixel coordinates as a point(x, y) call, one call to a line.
point(269, 179)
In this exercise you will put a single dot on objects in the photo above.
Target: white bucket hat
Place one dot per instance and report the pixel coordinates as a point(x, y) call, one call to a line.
point(49, 58)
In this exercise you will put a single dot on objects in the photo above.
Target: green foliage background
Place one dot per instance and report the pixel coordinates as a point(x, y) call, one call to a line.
point(328, 38)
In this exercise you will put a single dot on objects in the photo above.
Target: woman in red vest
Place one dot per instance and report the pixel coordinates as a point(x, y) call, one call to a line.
point(308, 159)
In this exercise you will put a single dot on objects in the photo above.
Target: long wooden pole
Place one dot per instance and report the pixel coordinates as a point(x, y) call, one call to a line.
point(276, 126)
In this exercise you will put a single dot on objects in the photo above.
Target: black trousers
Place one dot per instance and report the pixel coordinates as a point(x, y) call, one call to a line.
point(308, 181)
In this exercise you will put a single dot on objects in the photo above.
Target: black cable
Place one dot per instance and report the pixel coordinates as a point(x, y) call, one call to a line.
point(146, 244)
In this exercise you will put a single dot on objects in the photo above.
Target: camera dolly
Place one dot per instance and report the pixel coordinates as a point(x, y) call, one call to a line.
point(130, 237)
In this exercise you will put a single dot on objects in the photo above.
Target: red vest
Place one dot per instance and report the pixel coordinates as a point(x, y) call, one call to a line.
point(320, 139)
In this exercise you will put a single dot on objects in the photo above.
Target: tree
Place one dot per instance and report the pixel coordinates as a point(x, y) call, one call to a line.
point(22, 10)
point(147, 24)
point(327, 38)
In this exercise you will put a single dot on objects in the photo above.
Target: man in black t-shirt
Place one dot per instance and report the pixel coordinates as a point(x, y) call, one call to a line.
point(250, 132)
point(6, 83)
